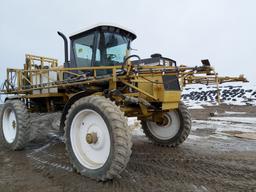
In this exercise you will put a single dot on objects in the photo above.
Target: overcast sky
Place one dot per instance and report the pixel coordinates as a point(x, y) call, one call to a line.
point(223, 31)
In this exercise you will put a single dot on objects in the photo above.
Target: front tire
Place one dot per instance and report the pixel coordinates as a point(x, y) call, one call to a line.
point(98, 139)
point(175, 130)
point(14, 125)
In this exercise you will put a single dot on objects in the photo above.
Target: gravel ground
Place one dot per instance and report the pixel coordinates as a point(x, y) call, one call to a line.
point(207, 161)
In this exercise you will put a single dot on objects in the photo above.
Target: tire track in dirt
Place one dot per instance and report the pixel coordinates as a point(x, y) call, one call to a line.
point(41, 158)
point(153, 168)
point(156, 168)
point(206, 170)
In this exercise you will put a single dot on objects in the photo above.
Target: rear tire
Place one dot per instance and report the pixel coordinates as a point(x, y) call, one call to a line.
point(14, 125)
point(104, 156)
point(174, 132)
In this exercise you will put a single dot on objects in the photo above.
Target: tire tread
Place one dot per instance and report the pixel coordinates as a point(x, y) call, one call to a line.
point(186, 117)
point(121, 135)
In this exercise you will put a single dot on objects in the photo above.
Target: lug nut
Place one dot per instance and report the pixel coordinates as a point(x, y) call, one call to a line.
point(13, 124)
point(91, 138)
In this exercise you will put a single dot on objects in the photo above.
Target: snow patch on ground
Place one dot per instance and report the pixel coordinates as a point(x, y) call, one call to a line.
point(234, 113)
point(196, 137)
point(247, 120)
point(219, 126)
point(223, 127)
point(135, 125)
point(138, 132)
point(195, 107)
point(231, 94)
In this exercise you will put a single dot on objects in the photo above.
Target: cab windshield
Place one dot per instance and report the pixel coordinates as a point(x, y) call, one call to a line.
point(100, 49)
point(111, 49)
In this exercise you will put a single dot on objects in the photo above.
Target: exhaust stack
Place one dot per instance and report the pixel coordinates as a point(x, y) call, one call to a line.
point(65, 47)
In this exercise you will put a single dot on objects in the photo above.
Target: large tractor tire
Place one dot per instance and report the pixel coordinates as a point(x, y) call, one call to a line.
point(98, 139)
point(173, 131)
point(14, 125)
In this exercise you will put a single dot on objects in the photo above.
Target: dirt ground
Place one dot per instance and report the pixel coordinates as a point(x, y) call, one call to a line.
point(207, 161)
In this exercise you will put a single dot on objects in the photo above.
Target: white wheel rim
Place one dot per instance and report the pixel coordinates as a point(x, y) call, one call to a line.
point(9, 125)
point(95, 155)
point(168, 131)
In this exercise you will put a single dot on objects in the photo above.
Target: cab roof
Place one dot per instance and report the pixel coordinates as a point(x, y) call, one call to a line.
point(105, 27)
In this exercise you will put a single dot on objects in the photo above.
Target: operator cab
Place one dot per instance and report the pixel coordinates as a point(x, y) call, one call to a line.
point(102, 45)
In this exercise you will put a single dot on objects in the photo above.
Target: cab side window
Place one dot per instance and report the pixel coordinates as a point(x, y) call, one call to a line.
point(83, 49)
